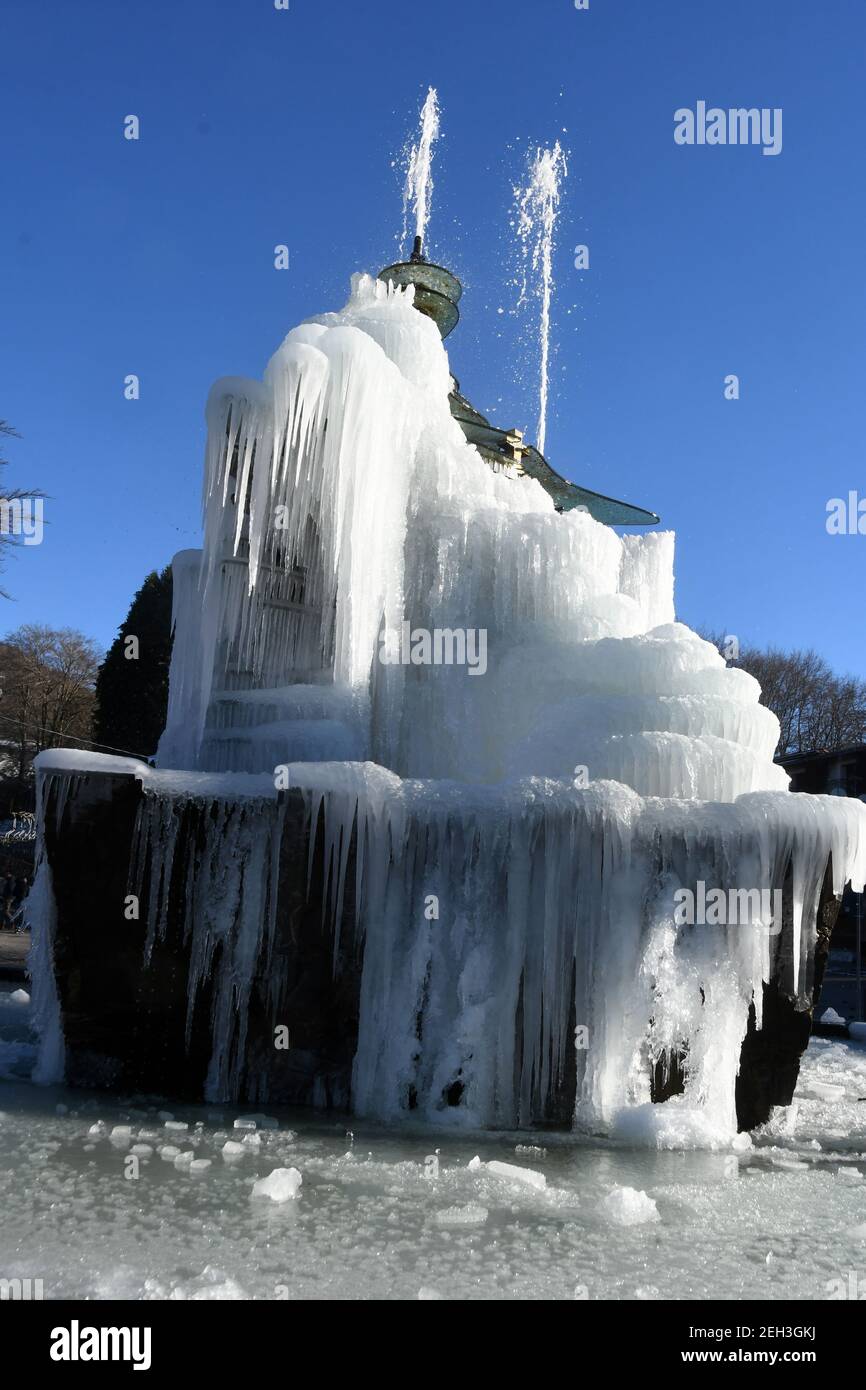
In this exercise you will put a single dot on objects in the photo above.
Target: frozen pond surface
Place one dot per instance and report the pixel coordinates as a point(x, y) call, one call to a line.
point(371, 1220)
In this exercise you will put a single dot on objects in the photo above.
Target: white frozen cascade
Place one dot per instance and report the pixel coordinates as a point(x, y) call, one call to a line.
point(342, 502)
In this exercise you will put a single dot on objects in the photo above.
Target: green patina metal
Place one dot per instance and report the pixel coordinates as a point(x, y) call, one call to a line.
point(437, 292)
point(436, 289)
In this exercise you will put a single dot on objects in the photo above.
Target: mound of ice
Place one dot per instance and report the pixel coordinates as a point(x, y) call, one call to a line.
point(627, 1207)
point(388, 516)
point(674, 1125)
point(281, 1185)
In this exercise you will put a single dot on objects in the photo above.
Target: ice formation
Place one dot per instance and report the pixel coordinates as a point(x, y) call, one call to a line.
point(550, 808)
point(281, 1185)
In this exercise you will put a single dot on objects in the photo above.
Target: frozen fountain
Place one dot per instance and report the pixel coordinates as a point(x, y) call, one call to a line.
point(439, 771)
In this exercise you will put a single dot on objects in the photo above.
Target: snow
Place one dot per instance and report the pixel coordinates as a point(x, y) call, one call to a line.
point(831, 1016)
point(281, 1185)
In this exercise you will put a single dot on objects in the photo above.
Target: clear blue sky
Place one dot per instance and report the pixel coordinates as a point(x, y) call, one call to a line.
point(260, 126)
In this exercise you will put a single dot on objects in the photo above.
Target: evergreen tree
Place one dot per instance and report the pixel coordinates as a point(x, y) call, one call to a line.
point(132, 685)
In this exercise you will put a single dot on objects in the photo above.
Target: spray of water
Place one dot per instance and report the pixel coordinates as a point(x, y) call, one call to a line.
point(537, 209)
point(418, 187)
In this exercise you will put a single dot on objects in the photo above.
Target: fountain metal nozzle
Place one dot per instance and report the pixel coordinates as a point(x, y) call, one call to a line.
point(436, 289)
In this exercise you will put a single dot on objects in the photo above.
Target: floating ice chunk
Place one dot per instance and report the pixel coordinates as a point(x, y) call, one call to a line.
point(168, 1153)
point(627, 1207)
point(281, 1185)
point(474, 1164)
point(823, 1090)
point(473, 1214)
point(850, 1174)
point(121, 1133)
point(252, 1141)
point(97, 1129)
point(245, 1123)
point(741, 1143)
point(200, 1165)
point(232, 1149)
point(530, 1150)
point(178, 1125)
point(142, 1150)
point(511, 1172)
point(427, 1295)
point(183, 1158)
point(831, 1016)
point(19, 996)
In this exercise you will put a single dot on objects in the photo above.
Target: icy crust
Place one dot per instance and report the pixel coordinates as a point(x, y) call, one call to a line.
point(511, 934)
point(778, 1219)
point(497, 922)
point(342, 499)
point(69, 764)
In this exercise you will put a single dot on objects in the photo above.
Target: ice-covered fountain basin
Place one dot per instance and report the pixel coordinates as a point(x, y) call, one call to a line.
point(486, 955)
